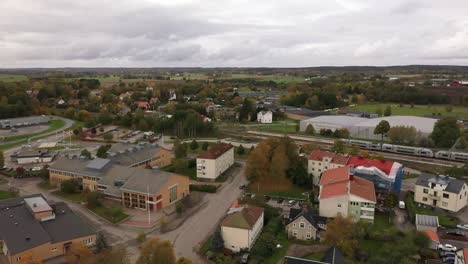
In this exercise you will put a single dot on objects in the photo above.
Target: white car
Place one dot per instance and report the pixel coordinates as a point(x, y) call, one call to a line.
point(447, 247)
point(36, 169)
point(462, 226)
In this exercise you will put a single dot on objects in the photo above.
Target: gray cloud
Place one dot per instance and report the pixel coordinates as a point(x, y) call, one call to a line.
point(147, 33)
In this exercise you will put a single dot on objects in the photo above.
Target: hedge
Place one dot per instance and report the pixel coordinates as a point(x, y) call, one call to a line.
point(204, 188)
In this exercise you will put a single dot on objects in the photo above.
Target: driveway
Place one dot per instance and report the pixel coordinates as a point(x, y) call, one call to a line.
point(194, 231)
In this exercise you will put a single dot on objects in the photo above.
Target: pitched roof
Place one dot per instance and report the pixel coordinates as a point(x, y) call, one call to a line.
point(309, 216)
point(465, 254)
point(244, 219)
point(452, 185)
point(332, 256)
point(427, 220)
point(20, 230)
point(432, 235)
point(385, 166)
point(336, 157)
point(339, 181)
point(215, 151)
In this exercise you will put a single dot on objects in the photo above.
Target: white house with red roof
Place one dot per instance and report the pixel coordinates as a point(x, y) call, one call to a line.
point(387, 176)
point(341, 193)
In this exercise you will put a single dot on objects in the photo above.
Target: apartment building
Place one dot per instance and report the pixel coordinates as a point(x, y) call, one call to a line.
point(241, 227)
point(215, 161)
point(320, 161)
point(142, 155)
point(135, 187)
point(386, 176)
point(342, 193)
point(32, 228)
point(440, 191)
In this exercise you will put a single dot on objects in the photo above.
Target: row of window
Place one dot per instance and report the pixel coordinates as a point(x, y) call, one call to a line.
point(308, 234)
point(444, 195)
point(303, 225)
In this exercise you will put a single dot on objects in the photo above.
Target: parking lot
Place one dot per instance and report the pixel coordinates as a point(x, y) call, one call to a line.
point(22, 130)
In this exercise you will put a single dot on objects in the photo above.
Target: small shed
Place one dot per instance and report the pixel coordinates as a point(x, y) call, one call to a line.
point(426, 222)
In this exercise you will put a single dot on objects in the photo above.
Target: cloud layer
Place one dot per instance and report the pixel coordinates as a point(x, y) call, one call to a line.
point(241, 33)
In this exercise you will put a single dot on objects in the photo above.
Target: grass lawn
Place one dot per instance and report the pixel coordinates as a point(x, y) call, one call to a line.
point(5, 195)
point(278, 254)
point(74, 197)
point(46, 185)
point(112, 214)
point(382, 223)
point(186, 171)
point(278, 127)
point(315, 256)
point(12, 78)
point(417, 110)
point(53, 125)
point(293, 192)
point(2, 181)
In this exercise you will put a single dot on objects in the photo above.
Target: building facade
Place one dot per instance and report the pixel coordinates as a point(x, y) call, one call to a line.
point(32, 229)
point(304, 225)
point(265, 117)
point(440, 191)
point(241, 227)
point(33, 156)
point(215, 161)
point(341, 193)
point(320, 161)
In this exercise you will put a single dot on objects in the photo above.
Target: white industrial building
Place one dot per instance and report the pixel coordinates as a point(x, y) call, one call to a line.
point(360, 127)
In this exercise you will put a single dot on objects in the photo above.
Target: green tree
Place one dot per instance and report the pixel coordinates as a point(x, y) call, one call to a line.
point(156, 251)
point(338, 146)
point(184, 261)
point(93, 199)
point(217, 242)
point(310, 130)
point(85, 153)
point(403, 135)
point(194, 145)
point(180, 149)
point(382, 128)
point(69, 186)
point(240, 150)
point(108, 137)
point(101, 243)
point(388, 111)
point(180, 208)
point(102, 151)
point(446, 132)
point(205, 146)
point(141, 237)
point(2, 159)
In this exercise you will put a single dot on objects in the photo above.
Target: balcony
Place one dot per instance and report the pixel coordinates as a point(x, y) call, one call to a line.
point(370, 209)
point(433, 197)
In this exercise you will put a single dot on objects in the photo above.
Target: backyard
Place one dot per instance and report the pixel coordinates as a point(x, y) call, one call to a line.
point(445, 220)
point(6, 195)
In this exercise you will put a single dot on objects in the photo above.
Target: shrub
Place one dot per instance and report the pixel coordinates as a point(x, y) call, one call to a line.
point(69, 186)
point(194, 145)
point(92, 199)
point(240, 150)
point(205, 146)
point(204, 188)
point(141, 237)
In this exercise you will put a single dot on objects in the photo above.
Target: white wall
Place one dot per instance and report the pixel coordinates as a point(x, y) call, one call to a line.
point(235, 239)
point(214, 168)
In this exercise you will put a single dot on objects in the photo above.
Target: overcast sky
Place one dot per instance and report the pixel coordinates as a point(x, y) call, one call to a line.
point(210, 33)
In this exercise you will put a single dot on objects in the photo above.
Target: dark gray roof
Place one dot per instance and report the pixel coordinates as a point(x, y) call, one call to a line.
point(147, 180)
point(312, 218)
point(453, 185)
point(66, 225)
point(427, 220)
point(130, 154)
point(20, 230)
point(35, 153)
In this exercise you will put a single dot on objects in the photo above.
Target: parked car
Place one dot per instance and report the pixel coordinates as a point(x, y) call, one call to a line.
point(36, 169)
point(450, 259)
point(242, 186)
point(463, 226)
point(446, 254)
point(245, 258)
point(291, 202)
point(455, 233)
point(447, 247)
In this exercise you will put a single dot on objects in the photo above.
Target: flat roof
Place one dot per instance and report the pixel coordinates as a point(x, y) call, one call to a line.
point(423, 124)
point(340, 120)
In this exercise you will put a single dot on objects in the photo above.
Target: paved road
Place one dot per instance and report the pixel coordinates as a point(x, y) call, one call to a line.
point(201, 224)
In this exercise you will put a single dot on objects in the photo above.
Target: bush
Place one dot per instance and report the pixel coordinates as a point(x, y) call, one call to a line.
point(194, 145)
point(205, 146)
point(180, 208)
point(141, 237)
point(240, 150)
point(69, 186)
point(204, 188)
point(92, 199)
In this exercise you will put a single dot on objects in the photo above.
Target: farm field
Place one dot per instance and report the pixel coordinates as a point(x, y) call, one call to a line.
point(12, 77)
point(274, 78)
point(417, 110)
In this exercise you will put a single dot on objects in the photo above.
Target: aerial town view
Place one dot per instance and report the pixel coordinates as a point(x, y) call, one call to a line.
point(222, 132)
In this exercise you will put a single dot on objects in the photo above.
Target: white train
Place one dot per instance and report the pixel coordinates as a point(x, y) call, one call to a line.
point(414, 151)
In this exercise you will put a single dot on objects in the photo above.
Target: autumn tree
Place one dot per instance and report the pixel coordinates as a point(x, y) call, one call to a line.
point(340, 233)
point(338, 146)
point(403, 134)
point(446, 132)
point(388, 111)
point(156, 251)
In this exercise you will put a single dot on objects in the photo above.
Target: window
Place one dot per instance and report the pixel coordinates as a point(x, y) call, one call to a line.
point(172, 194)
point(424, 199)
point(339, 205)
point(294, 233)
point(294, 224)
point(308, 235)
point(425, 190)
point(435, 193)
point(444, 204)
point(446, 195)
point(302, 225)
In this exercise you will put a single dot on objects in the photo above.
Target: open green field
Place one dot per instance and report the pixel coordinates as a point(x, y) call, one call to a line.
point(279, 127)
point(12, 77)
point(274, 78)
point(417, 110)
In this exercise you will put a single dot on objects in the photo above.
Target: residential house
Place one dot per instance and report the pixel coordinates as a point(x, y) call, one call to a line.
point(134, 187)
point(143, 105)
point(33, 156)
point(320, 161)
point(342, 193)
point(462, 256)
point(60, 101)
point(332, 256)
point(265, 117)
point(215, 161)
point(426, 222)
point(434, 238)
point(304, 225)
point(32, 228)
point(241, 227)
point(154, 100)
point(386, 176)
point(440, 191)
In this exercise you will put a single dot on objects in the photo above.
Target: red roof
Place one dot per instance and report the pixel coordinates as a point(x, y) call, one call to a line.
point(142, 104)
point(338, 182)
point(318, 155)
point(433, 236)
point(215, 151)
point(465, 254)
point(385, 166)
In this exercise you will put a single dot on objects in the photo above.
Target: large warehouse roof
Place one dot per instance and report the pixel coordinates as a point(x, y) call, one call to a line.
point(423, 124)
point(340, 120)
